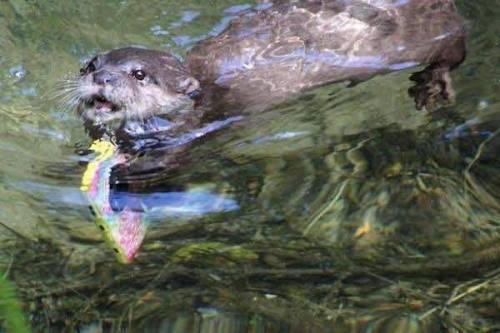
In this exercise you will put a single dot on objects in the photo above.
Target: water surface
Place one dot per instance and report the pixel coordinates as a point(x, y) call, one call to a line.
point(326, 190)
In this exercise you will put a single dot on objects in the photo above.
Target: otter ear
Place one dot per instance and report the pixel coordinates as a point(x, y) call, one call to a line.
point(188, 86)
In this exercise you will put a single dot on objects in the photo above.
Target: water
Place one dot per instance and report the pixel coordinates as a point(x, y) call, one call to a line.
point(335, 196)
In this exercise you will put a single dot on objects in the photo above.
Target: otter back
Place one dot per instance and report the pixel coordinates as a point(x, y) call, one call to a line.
point(264, 56)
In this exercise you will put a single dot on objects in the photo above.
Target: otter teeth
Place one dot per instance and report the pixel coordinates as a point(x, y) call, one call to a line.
point(102, 105)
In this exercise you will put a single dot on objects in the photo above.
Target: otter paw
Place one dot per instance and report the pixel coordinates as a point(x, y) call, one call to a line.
point(432, 89)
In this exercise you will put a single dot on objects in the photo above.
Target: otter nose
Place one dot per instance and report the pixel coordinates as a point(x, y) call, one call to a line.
point(104, 77)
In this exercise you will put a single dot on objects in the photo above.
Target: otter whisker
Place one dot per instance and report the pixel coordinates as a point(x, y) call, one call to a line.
point(61, 88)
point(60, 93)
point(64, 83)
point(68, 97)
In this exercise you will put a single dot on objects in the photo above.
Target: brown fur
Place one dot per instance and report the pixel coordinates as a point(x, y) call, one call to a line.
point(283, 48)
point(266, 56)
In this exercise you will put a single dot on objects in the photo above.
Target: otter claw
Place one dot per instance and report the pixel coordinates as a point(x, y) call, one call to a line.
point(433, 88)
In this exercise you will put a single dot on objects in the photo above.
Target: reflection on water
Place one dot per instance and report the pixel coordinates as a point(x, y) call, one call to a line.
point(173, 204)
point(336, 211)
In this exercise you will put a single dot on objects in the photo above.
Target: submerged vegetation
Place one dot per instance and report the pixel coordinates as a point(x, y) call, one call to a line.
point(343, 294)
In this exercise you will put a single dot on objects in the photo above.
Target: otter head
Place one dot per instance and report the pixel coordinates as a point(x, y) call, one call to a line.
point(133, 83)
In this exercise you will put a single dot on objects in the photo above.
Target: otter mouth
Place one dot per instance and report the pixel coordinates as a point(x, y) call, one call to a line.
point(102, 105)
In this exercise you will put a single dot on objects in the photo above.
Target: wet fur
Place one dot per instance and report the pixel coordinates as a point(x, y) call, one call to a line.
point(267, 55)
point(163, 90)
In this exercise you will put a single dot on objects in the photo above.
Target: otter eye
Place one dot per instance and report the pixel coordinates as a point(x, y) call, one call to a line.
point(139, 75)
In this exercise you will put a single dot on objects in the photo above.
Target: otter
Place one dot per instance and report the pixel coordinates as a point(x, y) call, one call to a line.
point(154, 105)
point(275, 51)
